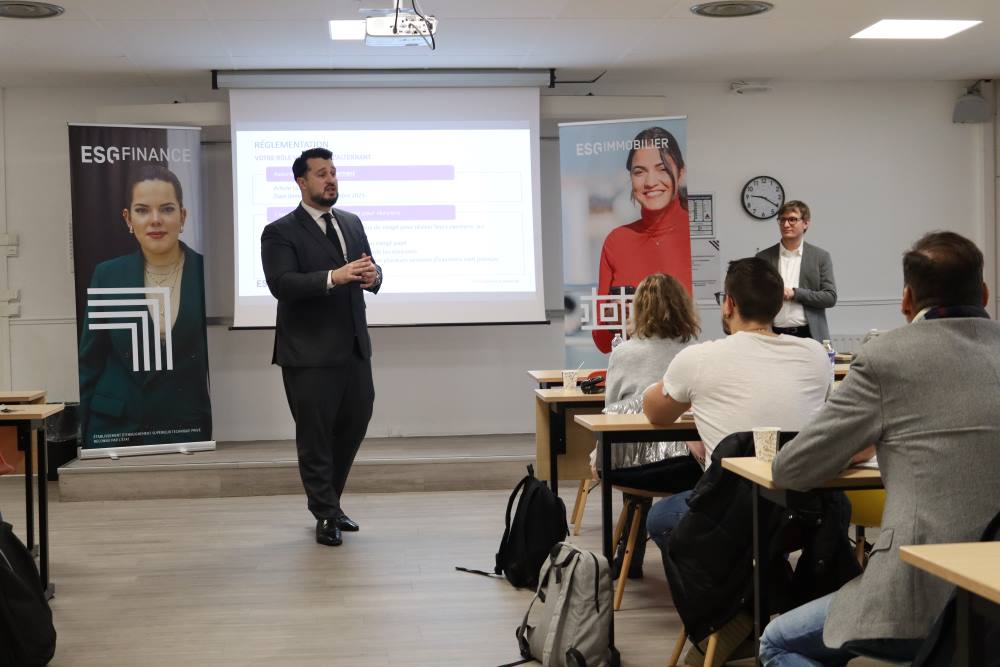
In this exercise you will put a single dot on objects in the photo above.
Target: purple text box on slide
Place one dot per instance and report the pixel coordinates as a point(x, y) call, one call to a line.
point(415, 172)
point(391, 212)
point(414, 212)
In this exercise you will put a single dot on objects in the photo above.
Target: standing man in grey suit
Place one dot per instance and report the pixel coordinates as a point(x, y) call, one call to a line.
point(316, 261)
point(926, 395)
point(808, 275)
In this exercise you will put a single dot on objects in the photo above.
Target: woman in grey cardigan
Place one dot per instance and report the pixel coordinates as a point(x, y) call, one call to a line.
point(663, 321)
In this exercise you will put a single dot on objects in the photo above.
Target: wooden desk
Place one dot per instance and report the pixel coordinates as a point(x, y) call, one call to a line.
point(12, 451)
point(767, 494)
point(555, 438)
point(974, 568)
point(610, 430)
point(840, 371)
point(553, 378)
point(30, 422)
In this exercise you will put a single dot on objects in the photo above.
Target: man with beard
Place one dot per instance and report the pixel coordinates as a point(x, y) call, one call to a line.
point(752, 377)
point(316, 261)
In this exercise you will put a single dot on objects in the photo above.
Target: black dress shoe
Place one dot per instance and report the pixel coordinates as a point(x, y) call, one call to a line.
point(328, 533)
point(344, 523)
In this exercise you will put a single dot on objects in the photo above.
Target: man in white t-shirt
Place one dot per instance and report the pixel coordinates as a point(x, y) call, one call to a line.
point(752, 377)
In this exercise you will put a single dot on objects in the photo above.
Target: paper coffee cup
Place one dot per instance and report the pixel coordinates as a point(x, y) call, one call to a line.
point(569, 379)
point(765, 442)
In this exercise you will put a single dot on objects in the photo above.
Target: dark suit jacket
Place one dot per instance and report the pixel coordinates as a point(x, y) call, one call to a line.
point(817, 289)
point(116, 399)
point(315, 327)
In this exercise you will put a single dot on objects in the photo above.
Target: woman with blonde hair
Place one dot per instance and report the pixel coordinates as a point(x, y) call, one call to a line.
point(662, 322)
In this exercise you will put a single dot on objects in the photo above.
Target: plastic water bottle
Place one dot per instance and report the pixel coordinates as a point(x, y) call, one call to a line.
point(617, 340)
point(832, 354)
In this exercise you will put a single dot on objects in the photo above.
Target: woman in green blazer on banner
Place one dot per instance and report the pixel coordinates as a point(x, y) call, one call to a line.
point(144, 363)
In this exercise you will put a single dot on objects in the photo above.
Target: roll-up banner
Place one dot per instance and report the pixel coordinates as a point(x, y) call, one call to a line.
point(624, 216)
point(140, 290)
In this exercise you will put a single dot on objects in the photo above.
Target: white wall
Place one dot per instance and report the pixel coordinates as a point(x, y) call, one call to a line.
point(879, 164)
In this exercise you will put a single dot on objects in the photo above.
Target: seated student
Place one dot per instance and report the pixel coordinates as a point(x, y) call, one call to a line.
point(926, 394)
point(662, 322)
point(753, 377)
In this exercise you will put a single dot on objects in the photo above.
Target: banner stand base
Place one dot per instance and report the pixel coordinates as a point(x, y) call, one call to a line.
point(114, 453)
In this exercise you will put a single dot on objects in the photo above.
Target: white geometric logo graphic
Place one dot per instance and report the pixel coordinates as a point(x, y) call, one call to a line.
point(612, 311)
point(135, 321)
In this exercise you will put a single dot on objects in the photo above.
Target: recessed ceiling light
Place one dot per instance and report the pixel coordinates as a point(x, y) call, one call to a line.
point(29, 10)
point(728, 9)
point(914, 29)
point(347, 30)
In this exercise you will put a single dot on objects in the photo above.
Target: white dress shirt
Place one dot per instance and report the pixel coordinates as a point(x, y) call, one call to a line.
point(792, 314)
point(317, 215)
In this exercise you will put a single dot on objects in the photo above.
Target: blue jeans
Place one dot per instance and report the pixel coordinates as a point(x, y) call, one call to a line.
point(664, 516)
point(795, 639)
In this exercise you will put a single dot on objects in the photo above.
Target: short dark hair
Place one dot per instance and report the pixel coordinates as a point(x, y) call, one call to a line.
point(301, 164)
point(799, 206)
point(147, 171)
point(756, 288)
point(944, 269)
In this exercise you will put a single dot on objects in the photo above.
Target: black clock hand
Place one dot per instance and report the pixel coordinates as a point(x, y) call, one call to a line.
point(765, 199)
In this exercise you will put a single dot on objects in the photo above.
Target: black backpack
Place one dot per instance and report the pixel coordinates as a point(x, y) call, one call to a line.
point(27, 636)
point(539, 524)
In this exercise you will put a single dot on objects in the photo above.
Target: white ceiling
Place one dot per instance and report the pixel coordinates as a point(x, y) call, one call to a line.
point(170, 42)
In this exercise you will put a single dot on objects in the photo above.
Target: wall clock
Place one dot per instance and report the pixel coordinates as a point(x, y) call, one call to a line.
point(762, 197)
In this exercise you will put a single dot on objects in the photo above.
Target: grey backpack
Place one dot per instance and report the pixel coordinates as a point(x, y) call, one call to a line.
point(571, 627)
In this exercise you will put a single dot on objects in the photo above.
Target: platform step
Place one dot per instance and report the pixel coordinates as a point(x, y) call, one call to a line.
point(448, 463)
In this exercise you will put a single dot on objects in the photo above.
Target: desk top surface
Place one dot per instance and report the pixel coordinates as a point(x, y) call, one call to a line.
point(972, 565)
point(23, 396)
point(759, 472)
point(564, 395)
point(550, 376)
point(618, 423)
point(29, 411)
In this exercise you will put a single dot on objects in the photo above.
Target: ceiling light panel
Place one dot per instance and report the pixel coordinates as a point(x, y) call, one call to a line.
point(347, 30)
point(914, 29)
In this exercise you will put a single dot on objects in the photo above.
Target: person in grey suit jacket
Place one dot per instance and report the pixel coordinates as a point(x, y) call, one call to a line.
point(317, 261)
point(808, 275)
point(926, 395)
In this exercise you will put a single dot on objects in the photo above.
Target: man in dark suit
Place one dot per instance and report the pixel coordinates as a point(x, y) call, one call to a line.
point(316, 261)
point(807, 272)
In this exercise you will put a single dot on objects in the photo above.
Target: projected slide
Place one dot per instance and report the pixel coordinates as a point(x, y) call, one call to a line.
point(445, 181)
point(445, 210)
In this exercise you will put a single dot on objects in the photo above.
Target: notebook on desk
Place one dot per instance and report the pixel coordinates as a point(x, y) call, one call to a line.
point(871, 464)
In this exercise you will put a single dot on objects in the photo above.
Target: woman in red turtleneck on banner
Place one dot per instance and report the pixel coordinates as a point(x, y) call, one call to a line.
point(659, 241)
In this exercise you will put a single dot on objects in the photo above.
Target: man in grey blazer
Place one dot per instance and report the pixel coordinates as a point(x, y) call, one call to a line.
point(808, 275)
point(926, 396)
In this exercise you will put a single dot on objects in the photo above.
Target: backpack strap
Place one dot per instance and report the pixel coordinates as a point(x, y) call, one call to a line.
point(521, 632)
point(519, 662)
point(498, 569)
point(560, 605)
point(491, 575)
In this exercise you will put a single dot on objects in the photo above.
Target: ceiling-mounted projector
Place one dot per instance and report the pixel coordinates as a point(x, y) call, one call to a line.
point(406, 29)
point(399, 25)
